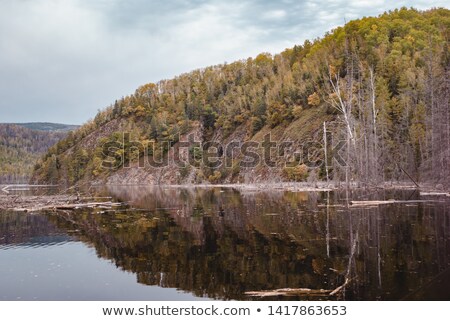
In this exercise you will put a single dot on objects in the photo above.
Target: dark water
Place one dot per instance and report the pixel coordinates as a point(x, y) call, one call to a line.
point(187, 244)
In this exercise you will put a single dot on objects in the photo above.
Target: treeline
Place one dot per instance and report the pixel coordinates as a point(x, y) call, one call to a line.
point(52, 127)
point(380, 83)
point(20, 149)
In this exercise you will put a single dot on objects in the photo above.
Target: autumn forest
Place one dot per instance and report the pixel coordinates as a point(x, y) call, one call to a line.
point(378, 84)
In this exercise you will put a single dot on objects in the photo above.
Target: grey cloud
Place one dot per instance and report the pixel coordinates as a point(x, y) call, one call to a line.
point(62, 60)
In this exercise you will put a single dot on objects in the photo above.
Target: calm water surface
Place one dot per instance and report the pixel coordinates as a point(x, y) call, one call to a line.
point(191, 244)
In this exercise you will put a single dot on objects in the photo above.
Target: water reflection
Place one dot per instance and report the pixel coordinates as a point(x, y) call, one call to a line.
point(220, 243)
point(39, 261)
point(18, 230)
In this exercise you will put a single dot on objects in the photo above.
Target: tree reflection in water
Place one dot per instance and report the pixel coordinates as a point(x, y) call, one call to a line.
point(221, 243)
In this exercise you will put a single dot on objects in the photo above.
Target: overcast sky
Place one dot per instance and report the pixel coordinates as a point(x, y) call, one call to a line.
point(62, 60)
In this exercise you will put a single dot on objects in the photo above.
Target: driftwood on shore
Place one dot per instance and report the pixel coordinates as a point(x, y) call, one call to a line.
point(369, 203)
point(22, 203)
point(435, 194)
point(289, 292)
point(21, 187)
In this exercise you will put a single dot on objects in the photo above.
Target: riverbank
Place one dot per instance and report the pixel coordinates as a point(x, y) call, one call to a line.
point(21, 203)
point(319, 186)
point(11, 197)
point(288, 186)
point(8, 188)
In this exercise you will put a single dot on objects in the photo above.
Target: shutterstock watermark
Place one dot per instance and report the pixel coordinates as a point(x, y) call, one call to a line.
point(128, 153)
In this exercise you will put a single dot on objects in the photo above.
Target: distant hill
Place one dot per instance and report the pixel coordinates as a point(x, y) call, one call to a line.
point(48, 126)
point(21, 147)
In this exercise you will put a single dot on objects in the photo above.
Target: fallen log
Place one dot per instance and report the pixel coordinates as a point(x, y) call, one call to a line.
point(435, 194)
point(300, 291)
point(20, 203)
point(21, 187)
point(68, 206)
point(368, 203)
point(290, 292)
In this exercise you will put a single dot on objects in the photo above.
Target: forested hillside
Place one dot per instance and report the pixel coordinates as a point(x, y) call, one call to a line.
point(379, 84)
point(53, 127)
point(20, 149)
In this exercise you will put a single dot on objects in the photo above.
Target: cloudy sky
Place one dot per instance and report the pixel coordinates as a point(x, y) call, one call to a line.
point(62, 60)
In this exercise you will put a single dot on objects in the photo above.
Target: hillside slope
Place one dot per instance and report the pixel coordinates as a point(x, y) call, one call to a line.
point(378, 87)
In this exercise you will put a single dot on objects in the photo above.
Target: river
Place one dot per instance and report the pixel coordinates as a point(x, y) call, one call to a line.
point(218, 243)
